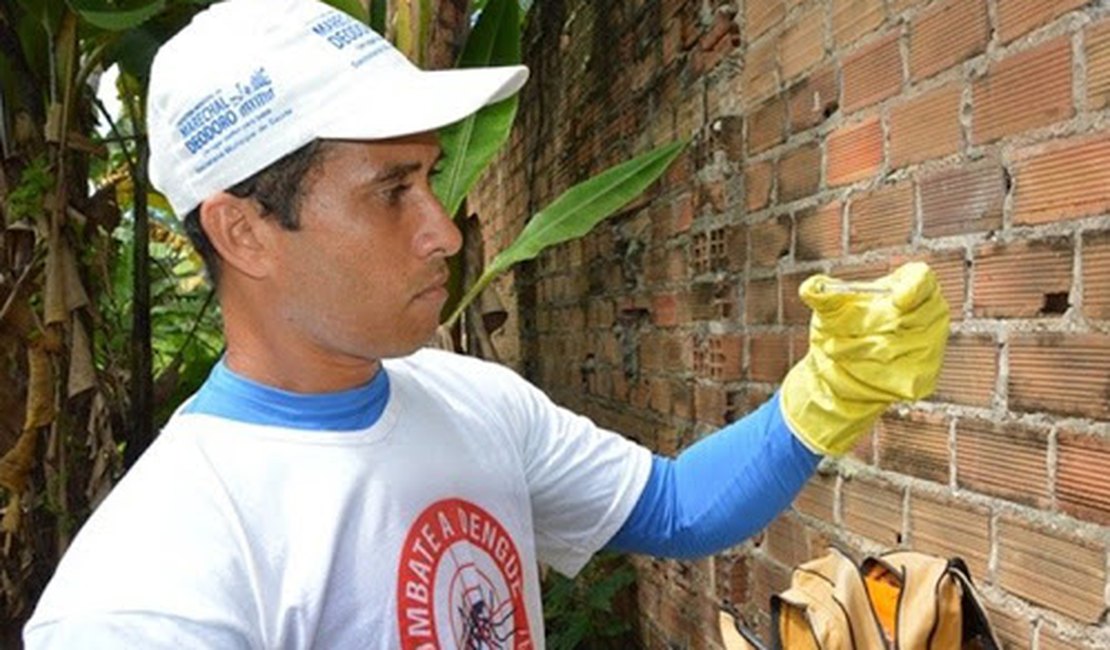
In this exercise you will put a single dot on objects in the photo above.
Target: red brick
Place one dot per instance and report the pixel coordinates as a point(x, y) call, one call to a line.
point(818, 497)
point(767, 126)
point(724, 357)
point(873, 74)
point(1025, 91)
point(671, 218)
point(672, 42)
point(961, 200)
point(736, 247)
point(970, 370)
point(786, 540)
point(1081, 486)
point(803, 44)
point(950, 33)
point(794, 311)
point(873, 510)
point(1012, 629)
point(1049, 640)
point(862, 272)
point(854, 18)
point(1051, 569)
point(664, 266)
point(722, 37)
point(1066, 180)
point(819, 233)
point(854, 152)
point(762, 302)
point(770, 241)
point(758, 79)
point(799, 344)
point(1006, 461)
point(813, 100)
point(762, 16)
point(881, 218)
point(768, 578)
point(799, 173)
point(949, 528)
point(666, 310)
point(757, 185)
point(1096, 275)
point(915, 445)
point(1061, 373)
point(898, 7)
point(926, 127)
point(709, 403)
point(1098, 66)
point(769, 357)
point(1024, 279)
point(712, 300)
point(1017, 17)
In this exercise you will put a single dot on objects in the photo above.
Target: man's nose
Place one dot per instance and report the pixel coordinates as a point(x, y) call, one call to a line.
point(440, 235)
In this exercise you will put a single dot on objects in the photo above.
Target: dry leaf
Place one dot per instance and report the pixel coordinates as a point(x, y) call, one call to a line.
point(15, 466)
point(40, 389)
point(54, 300)
point(82, 373)
point(75, 296)
point(13, 515)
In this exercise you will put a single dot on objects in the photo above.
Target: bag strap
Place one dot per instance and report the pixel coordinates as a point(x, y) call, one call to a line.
point(976, 624)
point(735, 636)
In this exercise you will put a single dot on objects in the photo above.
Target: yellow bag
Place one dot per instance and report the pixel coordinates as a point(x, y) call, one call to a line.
point(897, 601)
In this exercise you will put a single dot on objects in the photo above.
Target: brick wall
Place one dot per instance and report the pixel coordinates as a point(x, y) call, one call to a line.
point(844, 136)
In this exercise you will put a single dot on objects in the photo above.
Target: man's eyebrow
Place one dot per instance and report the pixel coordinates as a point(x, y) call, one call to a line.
point(396, 172)
point(401, 170)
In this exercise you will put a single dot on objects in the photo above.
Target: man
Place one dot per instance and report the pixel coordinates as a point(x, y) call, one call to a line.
point(332, 485)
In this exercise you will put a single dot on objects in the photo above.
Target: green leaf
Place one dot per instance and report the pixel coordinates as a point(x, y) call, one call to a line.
point(583, 206)
point(100, 14)
point(576, 212)
point(470, 145)
point(352, 8)
point(378, 9)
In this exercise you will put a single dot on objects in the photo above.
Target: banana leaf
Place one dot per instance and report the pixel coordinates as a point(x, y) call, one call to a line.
point(576, 212)
point(470, 145)
point(378, 9)
point(105, 16)
point(352, 8)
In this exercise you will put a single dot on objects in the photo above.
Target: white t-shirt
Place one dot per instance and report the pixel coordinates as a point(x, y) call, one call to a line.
point(420, 531)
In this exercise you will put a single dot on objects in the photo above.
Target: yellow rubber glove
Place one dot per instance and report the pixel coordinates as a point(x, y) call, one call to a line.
point(870, 344)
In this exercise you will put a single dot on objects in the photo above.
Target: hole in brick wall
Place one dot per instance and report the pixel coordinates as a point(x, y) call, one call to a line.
point(898, 538)
point(588, 369)
point(830, 108)
point(1055, 303)
point(1007, 180)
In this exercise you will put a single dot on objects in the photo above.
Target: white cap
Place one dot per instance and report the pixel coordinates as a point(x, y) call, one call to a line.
point(249, 81)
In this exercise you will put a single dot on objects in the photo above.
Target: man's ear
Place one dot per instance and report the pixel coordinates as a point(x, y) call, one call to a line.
point(240, 233)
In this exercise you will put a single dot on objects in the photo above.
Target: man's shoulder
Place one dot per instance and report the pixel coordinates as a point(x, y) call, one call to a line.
point(451, 366)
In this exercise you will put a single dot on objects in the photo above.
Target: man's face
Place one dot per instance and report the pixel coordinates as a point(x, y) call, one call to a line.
point(364, 275)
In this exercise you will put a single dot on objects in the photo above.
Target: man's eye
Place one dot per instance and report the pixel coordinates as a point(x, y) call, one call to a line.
point(395, 193)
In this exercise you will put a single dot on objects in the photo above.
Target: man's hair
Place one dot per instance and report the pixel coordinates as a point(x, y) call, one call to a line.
point(278, 190)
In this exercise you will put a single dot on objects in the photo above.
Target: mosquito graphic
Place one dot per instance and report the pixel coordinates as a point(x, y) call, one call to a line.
point(481, 631)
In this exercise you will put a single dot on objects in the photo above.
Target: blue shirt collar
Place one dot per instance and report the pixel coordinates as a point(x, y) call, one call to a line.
point(231, 396)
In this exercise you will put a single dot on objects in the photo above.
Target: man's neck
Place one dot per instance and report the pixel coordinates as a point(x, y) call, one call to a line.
point(276, 357)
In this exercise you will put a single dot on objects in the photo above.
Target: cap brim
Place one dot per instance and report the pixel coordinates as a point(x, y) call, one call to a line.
point(419, 101)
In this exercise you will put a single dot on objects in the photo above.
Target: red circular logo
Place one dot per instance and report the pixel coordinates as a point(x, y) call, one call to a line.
point(461, 583)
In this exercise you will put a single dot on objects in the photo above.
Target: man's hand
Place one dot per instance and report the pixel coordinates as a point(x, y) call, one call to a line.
point(869, 345)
